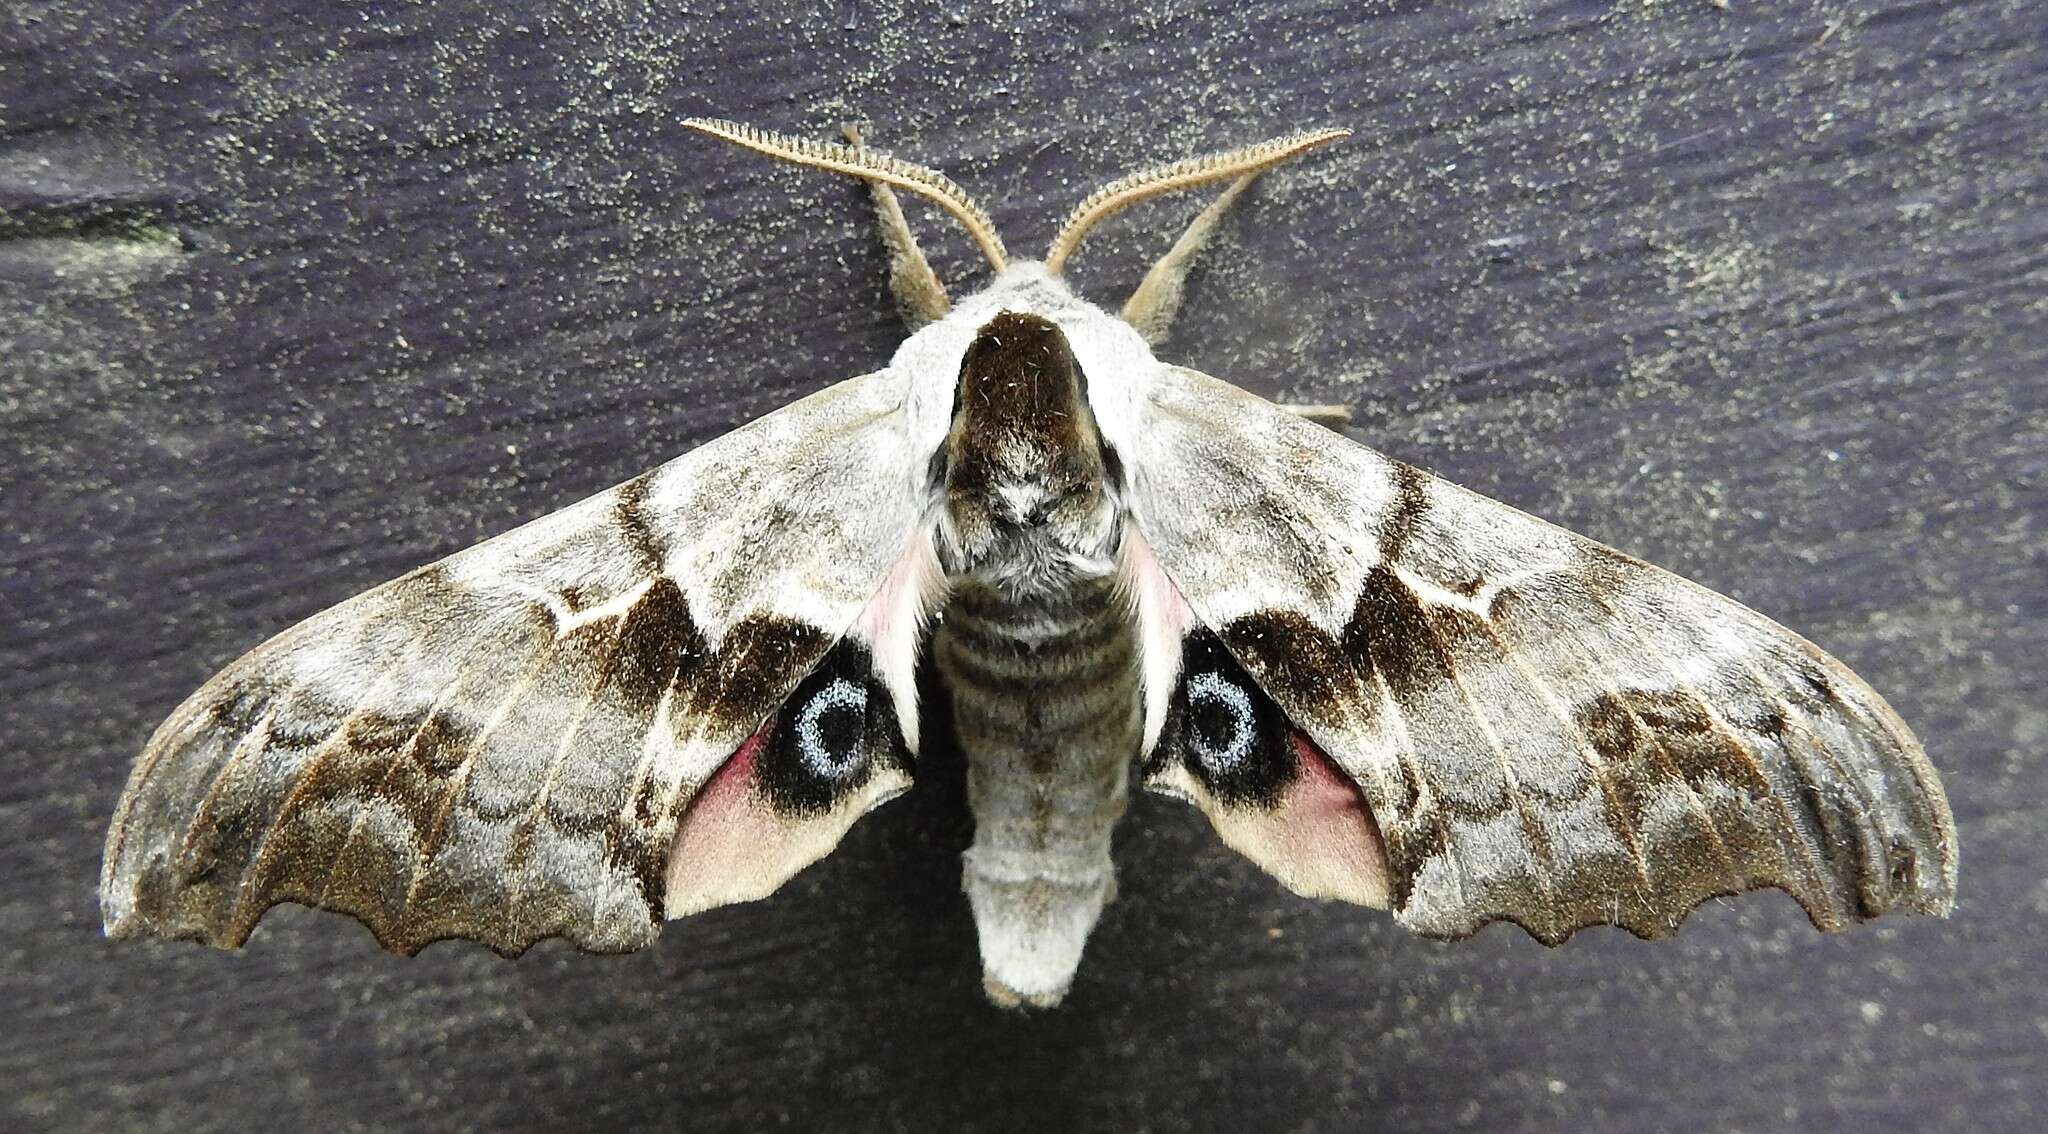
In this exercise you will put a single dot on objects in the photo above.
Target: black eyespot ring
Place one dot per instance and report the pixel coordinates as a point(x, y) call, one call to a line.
point(1222, 723)
point(830, 728)
point(829, 736)
point(1225, 730)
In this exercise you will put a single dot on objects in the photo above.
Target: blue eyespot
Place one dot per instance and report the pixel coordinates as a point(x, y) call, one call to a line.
point(1223, 728)
point(829, 729)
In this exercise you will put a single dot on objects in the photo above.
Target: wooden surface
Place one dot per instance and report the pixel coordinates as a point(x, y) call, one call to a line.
point(296, 295)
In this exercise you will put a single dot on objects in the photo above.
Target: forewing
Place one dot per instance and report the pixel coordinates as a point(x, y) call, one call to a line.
point(1541, 729)
point(508, 744)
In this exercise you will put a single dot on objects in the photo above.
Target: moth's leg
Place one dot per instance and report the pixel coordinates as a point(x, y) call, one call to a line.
point(1152, 307)
point(1334, 416)
point(920, 297)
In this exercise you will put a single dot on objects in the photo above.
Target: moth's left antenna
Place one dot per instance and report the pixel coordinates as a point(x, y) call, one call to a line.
point(868, 165)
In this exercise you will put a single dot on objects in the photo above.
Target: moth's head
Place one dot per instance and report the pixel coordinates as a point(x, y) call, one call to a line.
point(1024, 472)
point(1026, 477)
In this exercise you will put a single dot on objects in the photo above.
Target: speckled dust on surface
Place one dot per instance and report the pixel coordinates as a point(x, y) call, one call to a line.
point(295, 297)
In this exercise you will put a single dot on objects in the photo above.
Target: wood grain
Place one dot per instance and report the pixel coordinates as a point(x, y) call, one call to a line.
point(297, 296)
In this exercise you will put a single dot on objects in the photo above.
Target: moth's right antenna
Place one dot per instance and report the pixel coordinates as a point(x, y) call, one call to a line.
point(869, 166)
point(1186, 174)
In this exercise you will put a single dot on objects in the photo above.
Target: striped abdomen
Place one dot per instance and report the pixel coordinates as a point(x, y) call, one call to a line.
point(1047, 704)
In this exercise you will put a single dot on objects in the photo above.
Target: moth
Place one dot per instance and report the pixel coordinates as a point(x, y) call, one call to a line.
point(1378, 686)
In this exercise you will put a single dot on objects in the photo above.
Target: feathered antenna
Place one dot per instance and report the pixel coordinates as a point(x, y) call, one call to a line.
point(1175, 176)
point(869, 166)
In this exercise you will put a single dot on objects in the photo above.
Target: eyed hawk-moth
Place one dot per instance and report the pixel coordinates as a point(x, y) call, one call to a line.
point(1380, 687)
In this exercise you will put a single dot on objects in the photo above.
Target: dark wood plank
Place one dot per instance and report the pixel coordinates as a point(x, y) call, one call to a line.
point(296, 295)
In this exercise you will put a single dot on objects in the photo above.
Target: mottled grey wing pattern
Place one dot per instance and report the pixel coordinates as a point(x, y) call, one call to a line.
point(500, 746)
point(1544, 730)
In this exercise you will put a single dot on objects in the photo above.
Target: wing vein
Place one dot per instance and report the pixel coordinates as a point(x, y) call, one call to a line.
point(430, 843)
point(403, 752)
point(555, 765)
point(1399, 718)
point(203, 817)
point(1672, 769)
point(1539, 845)
point(1809, 854)
point(1589, 755)
point(302, 786)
